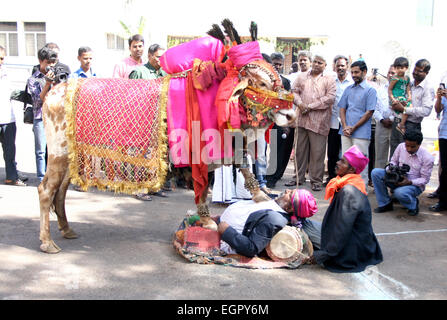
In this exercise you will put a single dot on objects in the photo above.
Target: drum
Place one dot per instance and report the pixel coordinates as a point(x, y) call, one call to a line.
point(289, 245)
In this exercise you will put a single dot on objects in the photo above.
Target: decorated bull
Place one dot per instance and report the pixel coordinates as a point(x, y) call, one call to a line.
point(116, 134)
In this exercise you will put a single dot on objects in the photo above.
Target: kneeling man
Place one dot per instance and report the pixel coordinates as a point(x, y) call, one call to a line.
point(407, 191)
point(247, 227)
point(348, 243)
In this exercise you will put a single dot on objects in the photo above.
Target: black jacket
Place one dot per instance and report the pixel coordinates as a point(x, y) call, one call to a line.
point(259, 229)
point(348, 243)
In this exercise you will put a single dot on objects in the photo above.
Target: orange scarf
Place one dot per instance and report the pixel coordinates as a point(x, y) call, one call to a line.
point(337, 183)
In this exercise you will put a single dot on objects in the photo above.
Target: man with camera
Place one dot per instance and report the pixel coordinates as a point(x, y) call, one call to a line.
point(38, 86)
point(405, 186)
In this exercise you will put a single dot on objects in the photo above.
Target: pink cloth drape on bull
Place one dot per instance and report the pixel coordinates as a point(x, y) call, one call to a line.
point(181, 59)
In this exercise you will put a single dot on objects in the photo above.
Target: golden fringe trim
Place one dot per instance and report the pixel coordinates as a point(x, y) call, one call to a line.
point(70, 112)
point(127, 187)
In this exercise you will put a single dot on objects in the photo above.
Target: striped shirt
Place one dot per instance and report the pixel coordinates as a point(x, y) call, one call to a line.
point(318, 94)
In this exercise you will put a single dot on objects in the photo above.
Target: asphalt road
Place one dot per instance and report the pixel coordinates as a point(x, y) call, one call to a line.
point(124, 251)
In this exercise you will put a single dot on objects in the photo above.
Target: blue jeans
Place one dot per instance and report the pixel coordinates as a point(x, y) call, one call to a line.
point(261, 162)
point(406, 195)
point(40, 145)
point(8, 141)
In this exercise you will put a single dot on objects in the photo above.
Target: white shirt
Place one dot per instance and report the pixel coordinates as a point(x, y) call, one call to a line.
point(6, 110)
point(383, 110)
point(341, 86)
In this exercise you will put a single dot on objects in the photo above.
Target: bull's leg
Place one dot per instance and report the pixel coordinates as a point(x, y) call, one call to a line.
point(56, 171)
point(59, 208)
point(204, 212)
point(252, 185)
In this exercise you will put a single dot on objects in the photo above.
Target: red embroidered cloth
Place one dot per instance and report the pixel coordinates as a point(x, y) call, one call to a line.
point(118, 133)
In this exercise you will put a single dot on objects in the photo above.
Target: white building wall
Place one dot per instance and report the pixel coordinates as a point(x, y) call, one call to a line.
point(353, 26)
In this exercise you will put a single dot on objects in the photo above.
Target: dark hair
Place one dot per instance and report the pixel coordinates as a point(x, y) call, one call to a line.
point(360, 64)
point(82, 50)
point(401, 62)
point(51, 45)
point(154, 48)
point(423, 63)
point(267, 58)
point(46, 53)
point(414, 135)
point(277, 56)
point(339, 56)
point(137, 38)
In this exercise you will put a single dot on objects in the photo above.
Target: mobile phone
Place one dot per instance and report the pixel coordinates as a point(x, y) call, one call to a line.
point(442, 86)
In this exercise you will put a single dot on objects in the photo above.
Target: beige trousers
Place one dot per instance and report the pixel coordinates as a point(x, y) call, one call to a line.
point(310, 152)
point(363, 145)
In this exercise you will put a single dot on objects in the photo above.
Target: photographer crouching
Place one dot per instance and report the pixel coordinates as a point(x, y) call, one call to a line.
point(406, 182)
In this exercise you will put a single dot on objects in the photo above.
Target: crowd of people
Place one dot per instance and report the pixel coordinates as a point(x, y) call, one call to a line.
point(341, 110)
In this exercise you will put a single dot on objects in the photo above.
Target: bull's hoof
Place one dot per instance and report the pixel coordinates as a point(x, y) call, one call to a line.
point(260, 196)
point(50, 247)
point(69, 234)
point(208, 223)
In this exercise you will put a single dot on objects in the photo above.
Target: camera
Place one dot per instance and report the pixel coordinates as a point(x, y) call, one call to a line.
point(395, 174)
point(442, 86)
point(60, 74)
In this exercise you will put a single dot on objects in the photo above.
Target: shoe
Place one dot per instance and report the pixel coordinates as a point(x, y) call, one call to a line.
point(143, 197)
point(316, 187)
point(290, 183)
point(437, 208)
point(433, 195)
point(414, 212)
point(22, 177)
point(17, 182)
point(385, 208)
point(160, 194)
point(78, 189)
point(271, 184)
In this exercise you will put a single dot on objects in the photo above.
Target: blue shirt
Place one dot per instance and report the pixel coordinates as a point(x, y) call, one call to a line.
point(81, 74)
point(443, 124)
point(357, 100)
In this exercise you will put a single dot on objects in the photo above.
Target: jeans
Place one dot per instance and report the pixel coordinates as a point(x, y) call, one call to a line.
point(8, 141)
point(406, 195)
point(40, 145)
point(261, 162)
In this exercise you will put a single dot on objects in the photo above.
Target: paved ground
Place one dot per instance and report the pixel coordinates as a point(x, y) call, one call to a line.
point(125, 251)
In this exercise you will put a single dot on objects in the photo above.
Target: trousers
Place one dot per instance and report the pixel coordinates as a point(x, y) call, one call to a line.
point(310, 151)
point(406, 195)
point(8, 141)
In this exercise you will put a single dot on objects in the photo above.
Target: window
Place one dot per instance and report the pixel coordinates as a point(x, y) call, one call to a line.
point(35, 37)
point(8, 38)
point(115, 42)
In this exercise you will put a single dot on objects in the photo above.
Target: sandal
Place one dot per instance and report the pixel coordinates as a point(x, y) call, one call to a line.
point(17, 182)
point(160, 194)
point(290, 183)
point(143, 197)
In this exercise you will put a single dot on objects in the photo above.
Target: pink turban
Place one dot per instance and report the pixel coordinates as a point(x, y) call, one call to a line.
point(303, 204)
point(356, 159)
point(245, 53)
